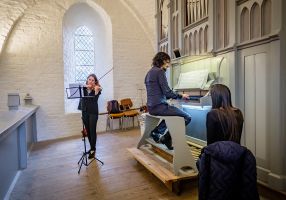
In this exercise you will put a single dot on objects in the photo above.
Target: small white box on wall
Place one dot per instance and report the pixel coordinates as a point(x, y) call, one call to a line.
point(13, 101)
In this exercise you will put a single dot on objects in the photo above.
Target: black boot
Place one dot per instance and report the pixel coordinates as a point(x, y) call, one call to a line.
point(167, 140)
point(91, 154)
point(156, 136)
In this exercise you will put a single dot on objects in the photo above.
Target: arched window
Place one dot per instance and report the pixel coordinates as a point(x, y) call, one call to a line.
point(201, 40)
point(244, 25)
point(186, 44)
point(84, 53)
point(87, 48)
point(195, 42)
point(266, 17)
point(255, 21)
point(206, 39)
point(191, 51)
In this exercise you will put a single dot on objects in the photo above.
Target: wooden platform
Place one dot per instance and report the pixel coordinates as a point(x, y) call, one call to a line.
point(161, 168)
point(161, 150)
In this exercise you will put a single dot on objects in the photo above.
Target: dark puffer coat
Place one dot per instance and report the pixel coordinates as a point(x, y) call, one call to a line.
point(227, 171)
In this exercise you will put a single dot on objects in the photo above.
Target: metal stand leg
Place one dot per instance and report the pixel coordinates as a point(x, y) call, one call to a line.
point(83, 160)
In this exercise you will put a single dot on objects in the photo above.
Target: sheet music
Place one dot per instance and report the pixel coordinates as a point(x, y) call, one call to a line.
point(74, 90)
point(192, 79)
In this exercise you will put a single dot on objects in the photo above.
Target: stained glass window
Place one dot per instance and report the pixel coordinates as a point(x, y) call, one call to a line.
point(84, 53)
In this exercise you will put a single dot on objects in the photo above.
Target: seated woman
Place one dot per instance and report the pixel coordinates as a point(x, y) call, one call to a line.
point(224, 122)
point(227, 170)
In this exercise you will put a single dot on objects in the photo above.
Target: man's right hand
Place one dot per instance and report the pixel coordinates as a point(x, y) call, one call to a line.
point(185, 96)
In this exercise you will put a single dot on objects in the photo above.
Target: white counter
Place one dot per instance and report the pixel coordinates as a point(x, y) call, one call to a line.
point(18, 131)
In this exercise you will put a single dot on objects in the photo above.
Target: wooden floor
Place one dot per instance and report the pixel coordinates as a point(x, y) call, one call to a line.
point(52, 173)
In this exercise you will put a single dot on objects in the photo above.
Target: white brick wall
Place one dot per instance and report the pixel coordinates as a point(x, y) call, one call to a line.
point(10, 11)
point(32, 57)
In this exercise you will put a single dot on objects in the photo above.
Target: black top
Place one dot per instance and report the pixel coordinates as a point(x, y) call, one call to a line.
point(157, 87)
point(90, 102)
point(214, 127)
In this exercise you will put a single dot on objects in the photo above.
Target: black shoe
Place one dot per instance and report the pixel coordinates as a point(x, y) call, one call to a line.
point(91, 154)
point(167, 140)
point(156, 136)
point(88, 151)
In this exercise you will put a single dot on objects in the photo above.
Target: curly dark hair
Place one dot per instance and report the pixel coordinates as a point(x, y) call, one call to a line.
point(159, 59)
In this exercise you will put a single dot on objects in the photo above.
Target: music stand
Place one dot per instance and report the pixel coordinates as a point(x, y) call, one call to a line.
point(76, 91)
point(83, 160)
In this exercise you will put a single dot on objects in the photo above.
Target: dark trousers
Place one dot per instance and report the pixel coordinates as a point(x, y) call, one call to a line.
point(90, 123)
point(167, 110)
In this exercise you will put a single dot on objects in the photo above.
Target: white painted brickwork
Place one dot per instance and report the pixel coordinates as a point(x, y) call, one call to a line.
point(31, 59)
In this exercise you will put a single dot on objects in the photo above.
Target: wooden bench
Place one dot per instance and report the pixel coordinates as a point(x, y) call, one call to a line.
point(170, 166)
point(161, 169)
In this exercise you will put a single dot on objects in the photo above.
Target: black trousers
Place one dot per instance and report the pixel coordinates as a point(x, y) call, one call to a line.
point(90, 123)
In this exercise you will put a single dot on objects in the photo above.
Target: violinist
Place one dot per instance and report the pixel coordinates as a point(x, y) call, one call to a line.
point(89, 105)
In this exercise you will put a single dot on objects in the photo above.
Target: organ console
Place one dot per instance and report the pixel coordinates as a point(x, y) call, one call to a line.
point(195, 79)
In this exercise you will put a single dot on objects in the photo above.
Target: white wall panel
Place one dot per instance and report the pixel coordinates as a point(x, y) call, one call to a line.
point(249, 125)
point(255, 103)
point(261, 104)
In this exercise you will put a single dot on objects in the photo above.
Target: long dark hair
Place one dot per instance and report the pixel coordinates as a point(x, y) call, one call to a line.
point(221, 101)
point(159, 59)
